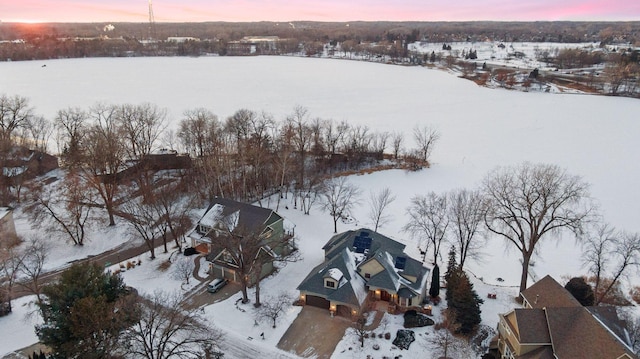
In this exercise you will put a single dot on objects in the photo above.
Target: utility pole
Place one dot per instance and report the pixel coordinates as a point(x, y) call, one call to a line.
point(152, 22)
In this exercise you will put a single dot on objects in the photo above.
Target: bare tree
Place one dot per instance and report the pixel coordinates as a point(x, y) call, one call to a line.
point(142, 218)
point(104, 156)
point(378, 203)
point(15, 113)
point(40, 131)
point(397, 138)
point(172, 206)
point(309, 192)
point(428, 222)
point(241, 247)
point(425, 137)
point(299, 123)
point(71, 125)
point(359, 326)
point(183, 269)
point(466, 213)
point(340, 197)
point(141, 126)
point(334, 135)
point(283, 157)
point(10, 262)
point(68, 207)
point(166, 331)
point(446, 343)
point(199, 132)
point(609, 255)
point(597, 246)
point(273, 308)
point(380, 142)
point(32, 266)
point(529, 202)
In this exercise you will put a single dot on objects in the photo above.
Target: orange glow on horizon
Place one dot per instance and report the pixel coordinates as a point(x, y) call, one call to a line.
point(39, 11)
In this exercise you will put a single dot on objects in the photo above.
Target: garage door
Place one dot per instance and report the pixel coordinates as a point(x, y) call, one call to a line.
point(343, 311)
point(317, 302)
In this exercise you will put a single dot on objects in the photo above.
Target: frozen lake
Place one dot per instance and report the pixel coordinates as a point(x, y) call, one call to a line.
point(592, 136)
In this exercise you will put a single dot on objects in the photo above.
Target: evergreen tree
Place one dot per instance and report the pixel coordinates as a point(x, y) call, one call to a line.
point(581, 290)
point(434, 290)
point(452, 267)
point(464, 302)
point(84, 313)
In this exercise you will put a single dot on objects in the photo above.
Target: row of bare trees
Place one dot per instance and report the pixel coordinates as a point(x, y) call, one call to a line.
point(523, 205)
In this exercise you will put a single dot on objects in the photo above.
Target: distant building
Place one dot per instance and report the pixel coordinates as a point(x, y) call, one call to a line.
point(181, 39)
point(253, 45)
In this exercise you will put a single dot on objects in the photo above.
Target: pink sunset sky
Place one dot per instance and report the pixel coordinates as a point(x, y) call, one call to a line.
point(317, 10)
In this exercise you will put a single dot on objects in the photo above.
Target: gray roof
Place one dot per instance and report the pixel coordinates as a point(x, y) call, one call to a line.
point(346, 240)
point(340, 253)
point(245, 217)
point(346, 292)
point(250, 217)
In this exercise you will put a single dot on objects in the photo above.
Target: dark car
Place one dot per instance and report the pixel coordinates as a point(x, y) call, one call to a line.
point(216, 284)
point(189, 251)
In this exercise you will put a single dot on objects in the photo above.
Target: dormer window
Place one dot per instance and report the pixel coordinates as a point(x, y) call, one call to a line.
point(330, 284)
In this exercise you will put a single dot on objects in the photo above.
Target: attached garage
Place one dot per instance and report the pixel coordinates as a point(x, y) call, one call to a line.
point(317, 302)
point(343, 311)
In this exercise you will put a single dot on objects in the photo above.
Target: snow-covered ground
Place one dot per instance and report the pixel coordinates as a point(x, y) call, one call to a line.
point(522, 55)
point(592, 136)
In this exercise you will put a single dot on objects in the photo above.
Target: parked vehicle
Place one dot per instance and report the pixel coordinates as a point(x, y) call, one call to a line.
point(189, 251)
point(216, 284)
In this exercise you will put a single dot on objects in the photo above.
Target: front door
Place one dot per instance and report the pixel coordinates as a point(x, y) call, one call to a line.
point(384, 295)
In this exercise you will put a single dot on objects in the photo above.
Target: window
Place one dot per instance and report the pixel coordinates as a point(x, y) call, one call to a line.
point(367, 275)
point(330, 284)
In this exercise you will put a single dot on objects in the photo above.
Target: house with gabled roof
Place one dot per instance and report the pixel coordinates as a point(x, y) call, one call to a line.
point(363, 265)
point(225, 218)
point(554, 325)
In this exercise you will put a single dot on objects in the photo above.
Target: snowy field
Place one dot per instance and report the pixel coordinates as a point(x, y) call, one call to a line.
point(592, 136)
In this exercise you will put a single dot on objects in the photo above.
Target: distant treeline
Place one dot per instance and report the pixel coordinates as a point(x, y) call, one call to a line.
point(69, 40)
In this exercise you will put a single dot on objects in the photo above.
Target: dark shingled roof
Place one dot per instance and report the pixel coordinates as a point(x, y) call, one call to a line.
point(576, 334)
point(532, 326)
point(547, 293)
point(545, 352)
point(251, 217)
point(346, 239)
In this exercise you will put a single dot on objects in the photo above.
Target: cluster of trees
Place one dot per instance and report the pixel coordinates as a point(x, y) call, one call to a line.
point(245, 157)
point(523, 205)
point(92, 314)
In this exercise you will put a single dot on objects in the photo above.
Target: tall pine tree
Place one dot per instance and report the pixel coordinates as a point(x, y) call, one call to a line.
point(463, 301)
point(452, 266)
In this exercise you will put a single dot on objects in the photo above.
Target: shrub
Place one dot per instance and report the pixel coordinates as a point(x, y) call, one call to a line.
point(413, 319)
